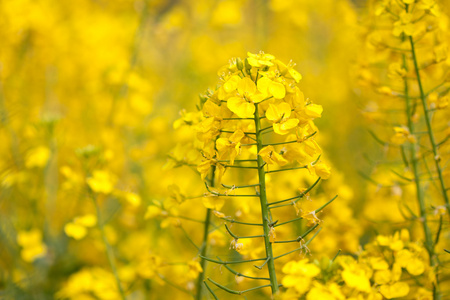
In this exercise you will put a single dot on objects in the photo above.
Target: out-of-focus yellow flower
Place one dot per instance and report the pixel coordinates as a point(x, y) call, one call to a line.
point(133, 199)
point(311, 217)
point(393, 242)
point(90, 281)
point(396, 71)
point(299, 275)
point(329, 292)
point(227, 13)
point(236, 245)
point(404, 25)
point(436, 101)
point(32, 245)
point(213, 202)
point(321, 169)
point(395, 290)
point(37, 157)
point(402, 135)
point(355, 275)
point(194, 269)
point(101, 182)
point(413, 264)
point(78, 228)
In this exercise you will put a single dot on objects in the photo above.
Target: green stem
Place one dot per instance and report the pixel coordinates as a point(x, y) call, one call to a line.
point(412, 149)
point(203, 248)
point(237, 292)
point(428, 122)
point(266, 218)
point(108, 248)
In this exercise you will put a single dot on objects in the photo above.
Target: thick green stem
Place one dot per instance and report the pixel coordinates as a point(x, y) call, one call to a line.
point(413, 162)
point(264, 206)
point(204, 248)
point(430, 130)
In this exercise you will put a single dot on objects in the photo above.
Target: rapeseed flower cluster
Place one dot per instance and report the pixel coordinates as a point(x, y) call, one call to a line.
point(107, 193)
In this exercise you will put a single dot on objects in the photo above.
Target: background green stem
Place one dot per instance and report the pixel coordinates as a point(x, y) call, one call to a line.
point(429, 243)
point(109, 253)
point(203, 247)
point(423, 99)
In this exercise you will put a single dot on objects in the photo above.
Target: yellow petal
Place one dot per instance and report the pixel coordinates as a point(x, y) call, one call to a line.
point(231, 84)
point(101, 182)
point(277, 128)
point(295, 75)
point(396, 290)
point(382, 277)
point(30, 254)
point(284, 110)
point(133, 199)
point(241, 107)
point(263, 85)
point(246, 86)
point(322, 170)
point(314, 110)
point(277, 90)
point(356, 279)
point(88, 220)
point(213, 202)
point(256, 98)
point(289, 124)
point(221, 144)
point(37, 157)
point(152, 212)
point(415, 267)
point(272, 113)
point(29, 238)
point(75, 231)
point(237, 136)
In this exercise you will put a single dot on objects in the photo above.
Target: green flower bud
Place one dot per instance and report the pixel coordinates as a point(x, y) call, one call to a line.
point(239, 64)
point(248, 67)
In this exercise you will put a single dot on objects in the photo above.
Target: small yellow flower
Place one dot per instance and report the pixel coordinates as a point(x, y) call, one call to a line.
point(230, 147)
point(77, 229)
point(288, 70)
point(299, 275)
point(402, 135)
point(279, 116)
point(37, 157)
point(194, 269)
point(322, 170)
point(271, 157)
point(354, 275)
point(236, 245)
point(393, 242)
point(32, 245)
point(260, 60)
point(243, 104)
point(269, 87)
point(213, 202)
point(395, 290)
point(404, 25)
point(101, 182)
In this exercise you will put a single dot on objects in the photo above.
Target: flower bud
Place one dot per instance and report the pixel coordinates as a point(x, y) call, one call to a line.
point(239, 64)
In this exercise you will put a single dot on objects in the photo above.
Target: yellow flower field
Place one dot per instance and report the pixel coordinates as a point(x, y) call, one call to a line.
point(225, 149)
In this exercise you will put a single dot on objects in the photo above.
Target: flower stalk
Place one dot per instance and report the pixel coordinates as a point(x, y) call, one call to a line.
point(265, 212)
